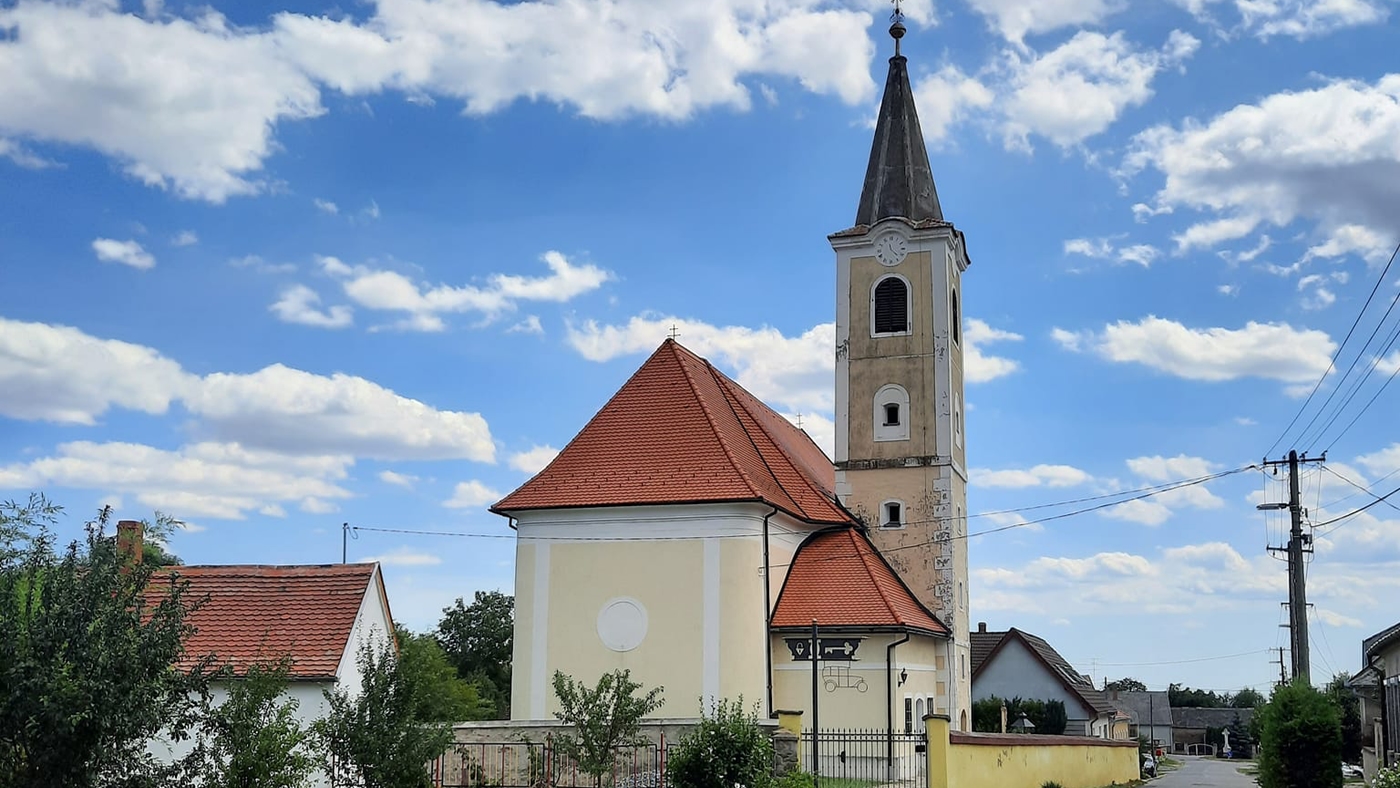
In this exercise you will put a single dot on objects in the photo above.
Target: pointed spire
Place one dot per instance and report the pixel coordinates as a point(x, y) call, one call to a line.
point(898, 179)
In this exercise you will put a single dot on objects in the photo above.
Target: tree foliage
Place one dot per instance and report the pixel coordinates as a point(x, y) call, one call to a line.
point(1048, 716)
point(604, 718)
point(1248, 698)
point(445, 696)
point(1349, 708)
point(1125, 685)
point(727, 749)
point(1185, 697)
point(87, 645)
point(254, 738)
point(478, 641)
point(375, 739)
point(1301, 740)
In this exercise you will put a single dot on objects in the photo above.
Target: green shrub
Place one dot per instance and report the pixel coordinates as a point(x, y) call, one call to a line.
point(1048, 716)
point(1300, 740)
point(1051, 784)
point(804, 780)
point(1387, 778)
point(727, 749)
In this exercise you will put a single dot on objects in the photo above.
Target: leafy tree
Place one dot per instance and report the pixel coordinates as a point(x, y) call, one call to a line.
point(1048, 717)
point(727, 749)
point(1125, 685)
point(446, 697)
point(87, 644)
point(1248, 698)
point(375, 738)
point(1301, 740)
point(1349, 707)
point(477, 639)
point(604, 718)
point(253, 738)
point(1185, 697)
point(1241, 742)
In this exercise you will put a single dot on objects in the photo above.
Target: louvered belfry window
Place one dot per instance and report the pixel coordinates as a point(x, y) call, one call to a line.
point(891, 306)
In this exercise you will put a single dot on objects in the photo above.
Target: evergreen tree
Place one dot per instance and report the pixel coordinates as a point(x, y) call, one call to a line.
point(1300, 740)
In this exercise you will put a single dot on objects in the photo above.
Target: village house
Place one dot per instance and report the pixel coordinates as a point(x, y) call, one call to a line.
point(1149, 715)
point(692, 535)
point(1012, 664)
point(1377, 685)
point(315, 616)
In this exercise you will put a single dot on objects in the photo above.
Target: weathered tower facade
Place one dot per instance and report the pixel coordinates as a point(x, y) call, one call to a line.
point(900, 459)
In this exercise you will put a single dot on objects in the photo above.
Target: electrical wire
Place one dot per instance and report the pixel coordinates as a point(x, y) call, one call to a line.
point(1353, 513)
point(1359, 487)
point(1366, 490)
point(1192, 661)
point(1332, 363)
point(1356, 385)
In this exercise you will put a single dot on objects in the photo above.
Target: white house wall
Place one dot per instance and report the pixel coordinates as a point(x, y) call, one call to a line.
point(372, 627)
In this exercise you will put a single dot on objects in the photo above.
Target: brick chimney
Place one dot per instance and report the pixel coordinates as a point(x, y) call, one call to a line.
point(981, 626)
point(130, 535)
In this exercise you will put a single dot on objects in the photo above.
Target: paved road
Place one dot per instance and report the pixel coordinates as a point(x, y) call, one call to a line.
point(1207, 772)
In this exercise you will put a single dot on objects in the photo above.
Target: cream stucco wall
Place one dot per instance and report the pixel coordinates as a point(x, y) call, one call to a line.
point(976, 760)
point(696, 571)
point(841, 701)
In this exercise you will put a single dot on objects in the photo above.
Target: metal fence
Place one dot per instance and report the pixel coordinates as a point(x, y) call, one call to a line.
point(871, 757)
point(522, 764)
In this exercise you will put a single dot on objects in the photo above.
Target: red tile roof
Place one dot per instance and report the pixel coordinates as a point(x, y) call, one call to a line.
point(680, 431)
point(839, 579)
point(261, 613)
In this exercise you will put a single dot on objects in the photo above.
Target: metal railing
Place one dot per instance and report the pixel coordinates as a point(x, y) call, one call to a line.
point(528, 764)
point(874, 757)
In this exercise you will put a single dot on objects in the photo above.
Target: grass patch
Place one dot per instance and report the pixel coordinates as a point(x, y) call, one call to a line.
point(845, 782)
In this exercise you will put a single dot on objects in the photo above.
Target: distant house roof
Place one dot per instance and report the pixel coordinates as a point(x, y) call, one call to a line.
point(1373, 644)
point(1145, 708)
point(680, 431)
point(259, 614)
point(839, 579)
point(1194, 718)
point(1072, 680)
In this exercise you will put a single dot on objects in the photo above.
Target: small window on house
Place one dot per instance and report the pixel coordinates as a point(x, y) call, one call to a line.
point(908, 714)
point(957, 319)
point(919, 711)
point(891, 306)
point(892, 415)
point(894, 515)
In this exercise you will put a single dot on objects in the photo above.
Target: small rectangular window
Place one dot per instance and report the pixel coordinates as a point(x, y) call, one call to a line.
point(908, 715)
point(892, 515)
point(891, 415)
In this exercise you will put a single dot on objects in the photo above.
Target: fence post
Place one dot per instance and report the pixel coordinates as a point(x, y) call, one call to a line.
point(936, 729)
point(791, 721)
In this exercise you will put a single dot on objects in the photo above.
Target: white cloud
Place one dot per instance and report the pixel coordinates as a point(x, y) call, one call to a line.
point(1159, 508)
point(124, 252)
point(946, 98)
point(293, 411)
point(1039, 475)
point(1312, 155)
point(261, 266)
point(1167, 469)
point(423, 305)
point(1081, 87)
point(471, 495)
point(60, 374)
point(300, 304)
point(205, 129)
point(1274, 351)
point(1227, 290)
point(789, 372)
point(325, 206)
point(978, 367)
point(405, 556)
point(530, 325)
point(533, 459)
point(202, 129)
point(215, 480)
point(1297, 18)
point(1380, 462)
point(1014, 19)
point(184, 238)
point(22, 156)
point(1319, 296)
point(1104, 249)
point(819, 428)
point(1097, 248)
point(1245, 421)
point(398, 479)
point(1352, 239)
point(1334, 619)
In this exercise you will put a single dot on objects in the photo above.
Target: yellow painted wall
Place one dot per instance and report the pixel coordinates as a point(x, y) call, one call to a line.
point(995, 763)
point(847, 706)
point(521, 644)
point(742, 631)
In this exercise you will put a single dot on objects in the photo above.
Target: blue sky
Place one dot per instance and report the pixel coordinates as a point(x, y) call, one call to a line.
point(274, 267)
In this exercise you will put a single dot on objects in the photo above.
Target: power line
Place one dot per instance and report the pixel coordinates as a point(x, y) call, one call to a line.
point(1364, 408)
point(1361, 381)
point(1253, 653)
point(1367, 490)
point(1354, 512)
point(1331, 363)
point(1359, 487)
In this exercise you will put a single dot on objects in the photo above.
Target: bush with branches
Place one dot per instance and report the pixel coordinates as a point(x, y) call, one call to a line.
point(604, 718)
point(1300, 740)
point(727, 749)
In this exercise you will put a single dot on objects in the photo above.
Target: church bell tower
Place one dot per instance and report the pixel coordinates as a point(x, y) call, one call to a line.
point(900, 461)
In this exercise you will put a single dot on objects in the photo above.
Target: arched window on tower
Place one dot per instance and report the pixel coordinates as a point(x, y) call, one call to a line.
point(889, 306)
point(891, 414)
point(957, 319)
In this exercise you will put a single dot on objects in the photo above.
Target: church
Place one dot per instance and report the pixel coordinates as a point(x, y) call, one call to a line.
point(692, 535)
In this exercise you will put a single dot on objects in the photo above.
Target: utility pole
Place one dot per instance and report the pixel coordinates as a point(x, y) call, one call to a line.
point(1282, 676)
point(1299, 544)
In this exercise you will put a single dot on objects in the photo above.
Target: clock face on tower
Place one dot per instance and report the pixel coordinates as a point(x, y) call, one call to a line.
point(890, 249)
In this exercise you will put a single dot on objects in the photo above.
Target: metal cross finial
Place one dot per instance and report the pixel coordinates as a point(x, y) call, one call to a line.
point(799, 421)
point(897, 26)
point(675, 332)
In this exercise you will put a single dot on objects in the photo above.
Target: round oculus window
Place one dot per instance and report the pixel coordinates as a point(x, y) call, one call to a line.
point(622, 624)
